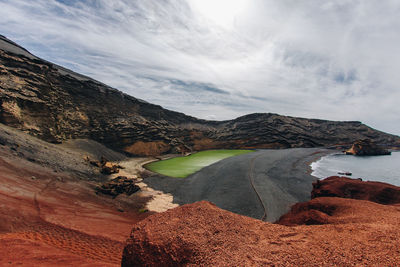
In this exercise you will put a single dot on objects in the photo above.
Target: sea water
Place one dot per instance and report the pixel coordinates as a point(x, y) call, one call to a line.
point(369, 168)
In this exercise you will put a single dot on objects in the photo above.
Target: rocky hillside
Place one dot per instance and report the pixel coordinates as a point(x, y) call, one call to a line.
point(55, 104)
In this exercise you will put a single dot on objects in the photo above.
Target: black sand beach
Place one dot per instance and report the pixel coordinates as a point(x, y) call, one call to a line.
point(262, 185)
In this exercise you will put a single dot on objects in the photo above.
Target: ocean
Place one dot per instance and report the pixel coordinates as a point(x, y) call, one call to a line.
point(369, 168)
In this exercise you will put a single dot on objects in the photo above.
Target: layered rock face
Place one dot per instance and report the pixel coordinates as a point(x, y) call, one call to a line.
point(55, 104)
point(366, 148)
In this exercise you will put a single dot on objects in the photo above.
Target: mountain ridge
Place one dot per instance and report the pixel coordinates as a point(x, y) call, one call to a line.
point(56, 104)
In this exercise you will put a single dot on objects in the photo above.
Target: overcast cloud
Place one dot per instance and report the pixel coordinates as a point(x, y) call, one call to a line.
point(219, 59)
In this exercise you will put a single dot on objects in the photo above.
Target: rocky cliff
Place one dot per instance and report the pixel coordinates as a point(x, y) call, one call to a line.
point(55, 104)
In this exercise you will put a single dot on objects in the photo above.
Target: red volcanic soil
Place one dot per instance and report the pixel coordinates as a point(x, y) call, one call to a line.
point(335, 186)
point(52, 219)
point(315, 212)
point(350, 232)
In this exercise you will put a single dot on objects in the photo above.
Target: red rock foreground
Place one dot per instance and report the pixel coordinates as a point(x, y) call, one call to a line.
point(349, 232)
point(51, 219)
point(378, 192)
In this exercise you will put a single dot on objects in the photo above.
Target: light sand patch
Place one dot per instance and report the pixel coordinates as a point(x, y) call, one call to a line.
point(132, 167)
point(159, 201)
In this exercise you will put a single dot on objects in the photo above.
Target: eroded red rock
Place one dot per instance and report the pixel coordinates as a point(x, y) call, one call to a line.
point(359, 233)
point(335, 186)
point(46, 220)
point(317, 212)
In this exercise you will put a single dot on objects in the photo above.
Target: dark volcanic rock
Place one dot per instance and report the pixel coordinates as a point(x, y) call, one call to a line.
point(109, 168)
point(117, 186)
point(105, 166)
point(366, 148)
point(55, 104)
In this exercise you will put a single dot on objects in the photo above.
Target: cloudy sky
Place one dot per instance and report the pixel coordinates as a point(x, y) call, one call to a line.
point(219, 59)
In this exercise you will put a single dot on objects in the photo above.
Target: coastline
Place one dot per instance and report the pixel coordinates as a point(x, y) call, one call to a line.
point(281, 177)
point(381, 168)
point(318, 156)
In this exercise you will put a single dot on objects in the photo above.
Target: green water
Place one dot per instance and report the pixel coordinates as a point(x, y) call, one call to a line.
point(182, 167)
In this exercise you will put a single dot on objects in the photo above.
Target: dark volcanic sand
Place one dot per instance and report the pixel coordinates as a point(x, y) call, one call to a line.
point(281, 178)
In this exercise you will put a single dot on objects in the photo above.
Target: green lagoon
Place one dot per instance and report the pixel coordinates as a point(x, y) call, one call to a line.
point(181, 167)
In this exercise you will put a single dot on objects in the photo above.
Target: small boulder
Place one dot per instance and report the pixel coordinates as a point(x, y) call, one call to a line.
point(109, 168)
point(105, 166)
point(117, 186)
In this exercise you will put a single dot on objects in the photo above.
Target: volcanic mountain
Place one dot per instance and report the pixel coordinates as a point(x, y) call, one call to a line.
point(56, 104)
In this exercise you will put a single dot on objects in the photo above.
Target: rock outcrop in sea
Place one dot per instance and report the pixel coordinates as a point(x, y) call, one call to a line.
point(366, 147)
point(56, 104)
